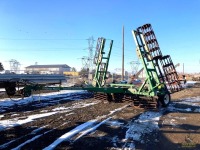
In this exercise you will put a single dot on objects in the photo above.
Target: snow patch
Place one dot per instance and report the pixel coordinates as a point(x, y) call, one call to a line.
point(174, 109)
point(38, 129)
point(129, 146)
point(192, 101)
point(90, 126)
point(28, 141)
point(70, 134)
point(7, 102)
point(1, 116)
point(14, 115)
point(180, 118)
point(146, 123)
point(9, 123)
point(92, 129)
point(59, 109)
point(114, 123)
point(197, 110)
point(189, 84)
point(168, 121)
point(82, 104)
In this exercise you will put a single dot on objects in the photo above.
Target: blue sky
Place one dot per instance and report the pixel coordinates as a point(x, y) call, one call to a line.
point(56, 31)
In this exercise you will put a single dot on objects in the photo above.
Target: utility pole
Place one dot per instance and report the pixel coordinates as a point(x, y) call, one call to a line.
point(122, 53)
point(183, 68)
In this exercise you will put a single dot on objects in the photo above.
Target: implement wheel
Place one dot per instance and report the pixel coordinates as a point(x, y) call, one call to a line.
point(118, 97)
point(165, 99)
point(10, 88)
point(109, 97)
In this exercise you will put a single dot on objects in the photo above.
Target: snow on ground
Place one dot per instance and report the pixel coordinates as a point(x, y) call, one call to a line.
point(34, 138)
point(9, 123)
point(46, 98)
point(83, 129)
point(189, 84)
point(190, 104)
point(70, 134)
point(193, 101)
point(146, 123)
point(114, 123)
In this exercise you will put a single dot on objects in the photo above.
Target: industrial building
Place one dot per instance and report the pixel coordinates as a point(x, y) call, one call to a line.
point(47, 69)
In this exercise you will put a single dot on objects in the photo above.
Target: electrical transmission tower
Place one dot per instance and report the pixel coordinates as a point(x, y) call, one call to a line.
point(91, 56)
point(14, 66)
point(87, 62)
point(134, 66)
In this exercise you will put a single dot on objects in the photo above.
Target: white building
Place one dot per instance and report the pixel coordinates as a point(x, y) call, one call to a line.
point(47, 69)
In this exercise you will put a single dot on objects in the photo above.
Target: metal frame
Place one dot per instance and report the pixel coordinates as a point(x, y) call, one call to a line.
point(101, 66)
point(161, 76)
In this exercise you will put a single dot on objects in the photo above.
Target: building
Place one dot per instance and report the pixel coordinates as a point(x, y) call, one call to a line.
point(47, 69)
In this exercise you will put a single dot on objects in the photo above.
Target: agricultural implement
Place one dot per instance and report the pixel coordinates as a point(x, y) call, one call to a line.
point(161, 78)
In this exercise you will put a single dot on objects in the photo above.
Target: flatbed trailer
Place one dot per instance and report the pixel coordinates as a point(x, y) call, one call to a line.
point(14, 83)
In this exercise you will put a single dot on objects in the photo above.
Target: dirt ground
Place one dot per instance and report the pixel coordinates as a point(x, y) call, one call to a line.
point(177, 129)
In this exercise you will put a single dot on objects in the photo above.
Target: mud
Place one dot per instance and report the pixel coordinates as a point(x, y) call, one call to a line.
point(177, 130)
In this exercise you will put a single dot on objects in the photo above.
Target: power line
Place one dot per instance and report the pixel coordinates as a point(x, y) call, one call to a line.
point(34, 39)
point(41, 49)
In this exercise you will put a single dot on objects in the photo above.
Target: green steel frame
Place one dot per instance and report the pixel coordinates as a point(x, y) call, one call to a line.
point(101, 63)
point(152, 86)
point(154, 83)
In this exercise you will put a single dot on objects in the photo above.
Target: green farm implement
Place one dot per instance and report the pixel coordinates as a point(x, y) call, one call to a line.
point(161, 78)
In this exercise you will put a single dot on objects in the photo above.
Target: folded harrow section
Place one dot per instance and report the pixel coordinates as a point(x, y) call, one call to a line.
point(163, 64)
point(151, 42)
point(171, 76)
point(101, 60)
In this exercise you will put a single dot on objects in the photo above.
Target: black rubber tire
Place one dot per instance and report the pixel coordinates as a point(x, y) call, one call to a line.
point(165, 100)
point(109, 97)
point(118, 97)
point(10, 90)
